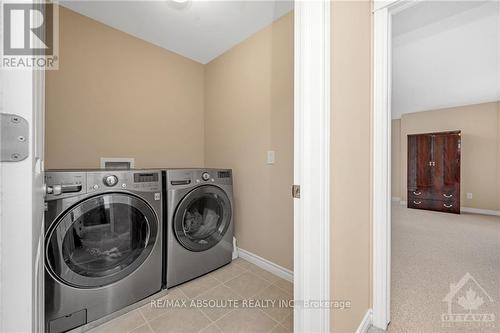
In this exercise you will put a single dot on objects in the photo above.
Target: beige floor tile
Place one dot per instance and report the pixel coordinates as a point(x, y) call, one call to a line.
point(213, 328)
point(288, 322)
point(277, 302)
point(285, 285)
point(281, 329)
point(246, 320)
point(243, 263)
point(217, 301)
point(142, 329)
point(124, 323)
point(180, 320)
point(248, 284)
point(198, 286)
point(161, 306)
point(227, 272)
point(262, 273)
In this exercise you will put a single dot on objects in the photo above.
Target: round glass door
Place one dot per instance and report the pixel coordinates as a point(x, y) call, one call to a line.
point(101, 240)
point(202, 218)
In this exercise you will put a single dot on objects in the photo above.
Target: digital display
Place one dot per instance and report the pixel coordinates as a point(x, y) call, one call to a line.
point(145, 177)
point(224, 174)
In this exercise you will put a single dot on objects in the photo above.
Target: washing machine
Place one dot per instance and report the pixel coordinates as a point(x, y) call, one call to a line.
point(103, 243)
point(199, 223)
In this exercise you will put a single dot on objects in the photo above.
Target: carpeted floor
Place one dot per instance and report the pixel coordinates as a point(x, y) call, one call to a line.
point(432, 250)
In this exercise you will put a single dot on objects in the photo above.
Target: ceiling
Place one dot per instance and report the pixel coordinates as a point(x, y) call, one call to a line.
point(199, 30)
point(445, 54)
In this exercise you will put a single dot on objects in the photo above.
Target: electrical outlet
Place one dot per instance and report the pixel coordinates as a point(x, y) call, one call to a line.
point(469, 195)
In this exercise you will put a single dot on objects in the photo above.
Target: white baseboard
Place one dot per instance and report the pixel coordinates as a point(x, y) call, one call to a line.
point(366, 323)
point(269, 266)
point(396, 199)
point(480, 211)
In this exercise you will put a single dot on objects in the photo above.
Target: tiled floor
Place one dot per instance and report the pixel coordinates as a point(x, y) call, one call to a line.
point(239, 297)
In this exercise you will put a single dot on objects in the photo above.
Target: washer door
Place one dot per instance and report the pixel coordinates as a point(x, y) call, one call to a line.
point(202, 218)
point(101, 240)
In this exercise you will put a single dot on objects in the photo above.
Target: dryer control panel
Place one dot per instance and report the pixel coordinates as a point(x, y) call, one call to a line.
point(186, 178)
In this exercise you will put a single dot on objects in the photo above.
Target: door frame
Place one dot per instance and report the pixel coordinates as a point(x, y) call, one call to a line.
point(312, 164)
point(381, 131)
point(22, 209)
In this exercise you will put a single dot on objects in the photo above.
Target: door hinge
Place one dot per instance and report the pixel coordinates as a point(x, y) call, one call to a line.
point(14, 131)
point(296, 191)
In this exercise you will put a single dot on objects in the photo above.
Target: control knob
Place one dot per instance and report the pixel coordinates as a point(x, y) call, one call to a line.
point(110, 180)
point(205, 176)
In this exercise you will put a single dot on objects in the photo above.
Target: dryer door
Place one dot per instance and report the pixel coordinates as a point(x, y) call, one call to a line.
point(202, 218)
point(101, 240)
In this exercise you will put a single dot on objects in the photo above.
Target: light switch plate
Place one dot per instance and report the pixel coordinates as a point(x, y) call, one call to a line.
point(271, 157)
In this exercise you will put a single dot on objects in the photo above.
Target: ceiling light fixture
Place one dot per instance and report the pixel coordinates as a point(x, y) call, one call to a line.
point(180, 4)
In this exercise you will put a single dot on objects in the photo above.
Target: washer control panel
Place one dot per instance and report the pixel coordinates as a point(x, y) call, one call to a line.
point(67, 183)
point(135, 180)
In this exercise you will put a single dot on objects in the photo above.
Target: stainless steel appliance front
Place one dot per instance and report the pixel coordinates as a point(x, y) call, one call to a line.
point(199, 224)
point(103, 243)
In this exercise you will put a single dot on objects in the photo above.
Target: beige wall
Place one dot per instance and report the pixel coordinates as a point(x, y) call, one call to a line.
point(480, 170)
point(351, 163)
point(149, 103)
point(249, 110)
point(118, 96)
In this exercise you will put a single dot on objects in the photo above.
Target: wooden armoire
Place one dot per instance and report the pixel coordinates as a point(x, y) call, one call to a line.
point(434, 171)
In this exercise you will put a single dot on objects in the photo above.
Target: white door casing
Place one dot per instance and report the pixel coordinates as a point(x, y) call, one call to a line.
point(312, 164)
point(381, 173)
point(22, 208)
point(381, 213)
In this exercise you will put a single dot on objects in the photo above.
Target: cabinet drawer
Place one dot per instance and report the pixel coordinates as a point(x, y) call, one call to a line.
point(447, 195)
point(450, 206)
point(420, 194)
point(420, 203)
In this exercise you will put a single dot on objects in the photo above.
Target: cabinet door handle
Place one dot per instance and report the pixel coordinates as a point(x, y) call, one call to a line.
point(447, 195)
point(417, 193)
point(417, 202)
point(447, 206)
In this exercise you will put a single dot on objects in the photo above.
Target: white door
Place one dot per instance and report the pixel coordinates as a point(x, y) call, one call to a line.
point(22, 208)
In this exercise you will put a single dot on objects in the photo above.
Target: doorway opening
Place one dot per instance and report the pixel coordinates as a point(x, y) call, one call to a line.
point(436, 137)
